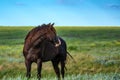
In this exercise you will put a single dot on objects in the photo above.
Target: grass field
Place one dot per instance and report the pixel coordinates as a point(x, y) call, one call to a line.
point(96, 51)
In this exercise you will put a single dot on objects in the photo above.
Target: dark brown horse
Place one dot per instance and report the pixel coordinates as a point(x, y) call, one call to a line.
point(34, 46)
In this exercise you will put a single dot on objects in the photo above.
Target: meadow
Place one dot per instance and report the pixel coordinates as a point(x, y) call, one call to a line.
point(96, 51)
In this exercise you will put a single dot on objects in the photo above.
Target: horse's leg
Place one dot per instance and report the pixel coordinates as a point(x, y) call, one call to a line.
point(63, 68)
point(56, 68)
point(28, 67)
point(39, 67)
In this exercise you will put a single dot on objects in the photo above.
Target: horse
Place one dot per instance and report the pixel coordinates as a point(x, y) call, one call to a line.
point(40, 32)
point(50, 52)
point(33, 38)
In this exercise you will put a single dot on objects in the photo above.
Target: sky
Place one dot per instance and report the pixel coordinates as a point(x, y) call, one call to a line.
point(61, 12)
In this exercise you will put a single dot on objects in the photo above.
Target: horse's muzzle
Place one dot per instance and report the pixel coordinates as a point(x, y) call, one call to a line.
point(57, 42)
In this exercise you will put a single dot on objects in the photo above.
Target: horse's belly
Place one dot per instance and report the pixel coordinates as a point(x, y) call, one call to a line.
point(48, 56)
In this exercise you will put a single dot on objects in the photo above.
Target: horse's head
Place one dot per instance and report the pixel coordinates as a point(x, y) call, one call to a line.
point(40, 33)
point(50, 31)
point(51, 34)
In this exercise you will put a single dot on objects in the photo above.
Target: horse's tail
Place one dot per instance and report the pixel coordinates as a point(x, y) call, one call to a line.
point(65, 68)
point(71, 56)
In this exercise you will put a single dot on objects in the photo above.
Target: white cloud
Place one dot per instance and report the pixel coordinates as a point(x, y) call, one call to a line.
point(20, 4)
point(115, 6)
point(70, 2)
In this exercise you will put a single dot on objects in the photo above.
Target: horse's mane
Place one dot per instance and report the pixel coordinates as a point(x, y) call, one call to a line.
point(34, 30)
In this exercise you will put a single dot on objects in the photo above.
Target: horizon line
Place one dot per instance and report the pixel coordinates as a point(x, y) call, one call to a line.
point(62, 26)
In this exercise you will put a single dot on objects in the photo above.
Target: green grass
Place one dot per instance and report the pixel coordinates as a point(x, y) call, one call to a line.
point(96, 51)
point(74, 77)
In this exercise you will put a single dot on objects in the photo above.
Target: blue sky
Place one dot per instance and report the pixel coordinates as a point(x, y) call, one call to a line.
point(62, 12)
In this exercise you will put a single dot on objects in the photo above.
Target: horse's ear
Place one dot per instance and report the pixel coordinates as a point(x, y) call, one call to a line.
point(49, 24)
point(52, 24)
